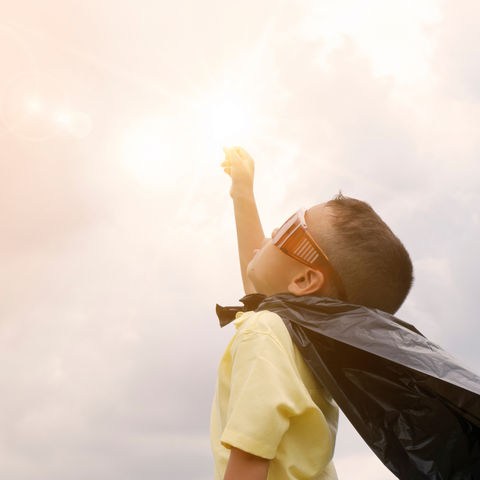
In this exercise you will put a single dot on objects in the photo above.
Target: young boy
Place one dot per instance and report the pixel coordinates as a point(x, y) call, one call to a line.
point(271, 418)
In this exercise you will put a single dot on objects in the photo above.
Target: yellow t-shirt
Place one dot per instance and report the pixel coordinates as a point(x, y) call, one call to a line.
point(268, 403)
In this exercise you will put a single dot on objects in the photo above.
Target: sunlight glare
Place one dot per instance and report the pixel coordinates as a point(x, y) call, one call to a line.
point(227, 120)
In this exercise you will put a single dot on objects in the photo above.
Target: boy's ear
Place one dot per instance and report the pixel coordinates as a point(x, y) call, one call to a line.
point(310, 281)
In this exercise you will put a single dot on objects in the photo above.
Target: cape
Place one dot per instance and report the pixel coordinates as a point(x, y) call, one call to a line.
point(415, 405)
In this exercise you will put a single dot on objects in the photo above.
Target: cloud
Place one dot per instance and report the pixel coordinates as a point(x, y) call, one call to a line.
point(457, 46)
point(391, 34)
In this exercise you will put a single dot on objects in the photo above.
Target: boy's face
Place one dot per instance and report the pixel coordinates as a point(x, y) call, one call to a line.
point(271, 271)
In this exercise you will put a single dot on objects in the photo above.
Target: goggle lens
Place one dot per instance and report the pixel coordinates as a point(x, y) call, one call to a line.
point(285, 228)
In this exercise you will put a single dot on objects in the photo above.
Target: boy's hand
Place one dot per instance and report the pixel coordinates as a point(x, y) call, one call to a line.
point(241, 168)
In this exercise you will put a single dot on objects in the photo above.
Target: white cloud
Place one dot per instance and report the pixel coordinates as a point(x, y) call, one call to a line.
point(392, 34)
point(437, 269)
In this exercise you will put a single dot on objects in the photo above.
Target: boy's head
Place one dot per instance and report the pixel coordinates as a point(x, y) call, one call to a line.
point(373, 264)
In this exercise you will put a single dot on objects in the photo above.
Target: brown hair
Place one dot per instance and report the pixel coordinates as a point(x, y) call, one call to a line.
point(372, 262)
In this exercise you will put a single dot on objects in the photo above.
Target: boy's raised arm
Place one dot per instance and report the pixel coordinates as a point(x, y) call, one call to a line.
point(240, 166)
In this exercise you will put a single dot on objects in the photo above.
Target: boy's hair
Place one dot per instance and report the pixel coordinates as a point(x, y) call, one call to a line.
point(372, 262)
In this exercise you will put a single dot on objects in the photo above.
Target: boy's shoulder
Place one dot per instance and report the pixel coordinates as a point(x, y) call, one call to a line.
point(266, 334)
point(263, 323)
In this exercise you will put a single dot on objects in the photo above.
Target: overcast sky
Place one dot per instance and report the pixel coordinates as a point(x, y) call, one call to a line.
point(117, 235)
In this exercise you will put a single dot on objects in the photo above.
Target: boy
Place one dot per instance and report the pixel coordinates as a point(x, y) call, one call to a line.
point(271, 417)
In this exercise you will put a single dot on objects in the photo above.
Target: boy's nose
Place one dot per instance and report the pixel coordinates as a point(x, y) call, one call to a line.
point(274, 232)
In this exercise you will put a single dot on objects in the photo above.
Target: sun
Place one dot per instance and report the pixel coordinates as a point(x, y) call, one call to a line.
point(227, 119)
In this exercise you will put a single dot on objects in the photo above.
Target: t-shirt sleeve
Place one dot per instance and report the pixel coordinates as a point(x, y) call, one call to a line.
point(265, 393)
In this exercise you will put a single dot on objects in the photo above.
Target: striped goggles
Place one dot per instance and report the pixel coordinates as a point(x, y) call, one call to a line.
point(295, 240)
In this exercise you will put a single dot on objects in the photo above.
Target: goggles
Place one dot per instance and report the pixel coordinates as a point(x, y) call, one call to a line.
point(295, 240)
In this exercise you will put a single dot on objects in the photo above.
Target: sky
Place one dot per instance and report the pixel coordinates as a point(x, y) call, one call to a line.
point(117, 234)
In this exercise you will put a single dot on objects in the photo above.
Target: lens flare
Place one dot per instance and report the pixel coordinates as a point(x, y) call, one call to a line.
point(60, 117)
point(33, 105)
point(28, 104)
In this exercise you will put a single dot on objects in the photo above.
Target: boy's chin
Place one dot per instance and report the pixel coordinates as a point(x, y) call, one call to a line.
point(269, 292)
point(260, 288)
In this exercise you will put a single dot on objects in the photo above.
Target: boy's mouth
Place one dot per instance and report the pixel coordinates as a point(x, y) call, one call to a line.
point(256, 251)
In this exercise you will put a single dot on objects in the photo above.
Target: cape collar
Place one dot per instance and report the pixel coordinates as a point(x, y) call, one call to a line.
point(258, 301)
point(309, 308)
point(250, 302)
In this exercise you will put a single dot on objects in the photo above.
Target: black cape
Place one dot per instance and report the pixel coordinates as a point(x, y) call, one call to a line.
point(415, 405)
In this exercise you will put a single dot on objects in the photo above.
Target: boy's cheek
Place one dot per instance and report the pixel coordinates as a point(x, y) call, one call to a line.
point(254, 273)
point(251, 270)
